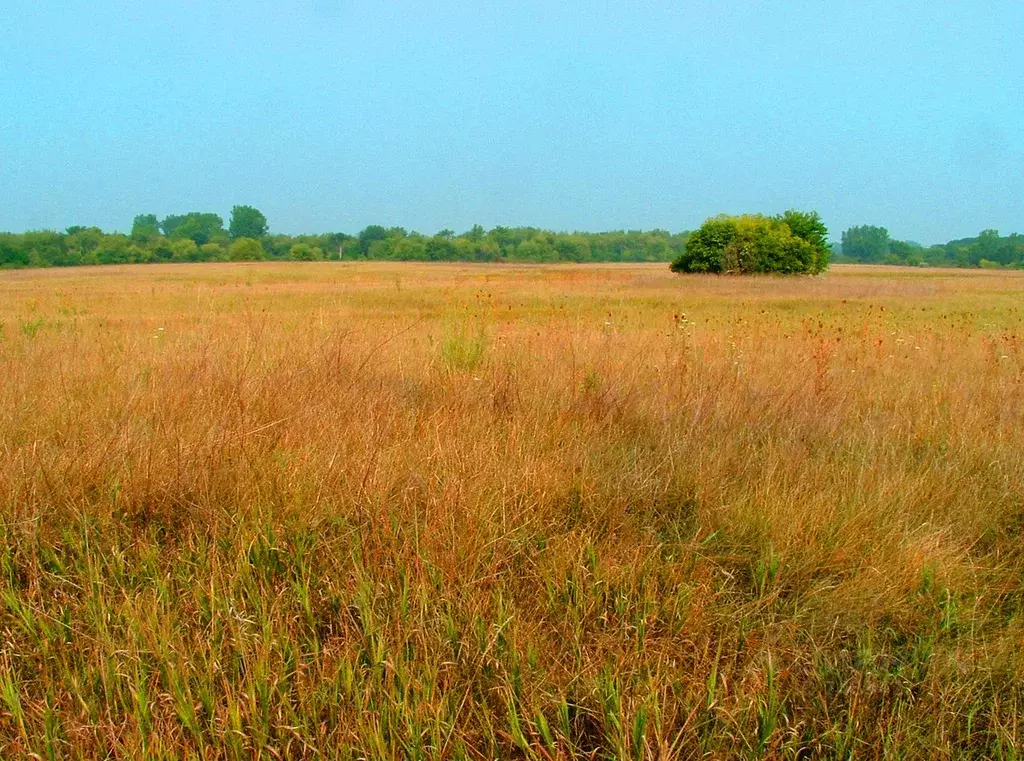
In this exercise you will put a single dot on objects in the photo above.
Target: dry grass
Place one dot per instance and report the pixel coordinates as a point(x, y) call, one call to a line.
point(398, 511)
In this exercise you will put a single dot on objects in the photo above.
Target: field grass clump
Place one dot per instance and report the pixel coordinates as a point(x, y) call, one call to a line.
point(295, 511)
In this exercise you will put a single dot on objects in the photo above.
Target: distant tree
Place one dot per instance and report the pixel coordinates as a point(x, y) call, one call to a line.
point(139, 254)
point(572, 248)
point(368, 235)
point(906, 252)
point(794, 241)
point(303, 252)
point(12, 251)
point(170, 223)
point(476, 250)
point(145, 228)
point(335, 245)
point(537, 249)
point(278, 246)
point(112, 249)
point(83, 240)
point(439, 249)
point(245, 250)
point(990, 247)
point(412, 248)
point(47, 248)
point(866, 243)
point(247, 222)
point(754, 243)
point(184, 250)
point(382, 249)
point(809, 226)
point(161, 250)
point(211, 252)
point(201, 227)
point(706, 247)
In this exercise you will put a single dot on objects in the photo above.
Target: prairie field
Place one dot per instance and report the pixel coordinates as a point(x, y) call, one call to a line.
point(410, 511)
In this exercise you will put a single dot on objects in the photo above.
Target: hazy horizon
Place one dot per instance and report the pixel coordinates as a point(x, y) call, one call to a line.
point(337, 115)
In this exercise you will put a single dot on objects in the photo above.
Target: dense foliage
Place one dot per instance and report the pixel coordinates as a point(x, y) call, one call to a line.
point(989, 250)
point(201, 237)
point(791, 243)
point(247, 222)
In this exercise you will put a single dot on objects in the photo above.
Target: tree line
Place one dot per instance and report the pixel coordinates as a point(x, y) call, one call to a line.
point(202, 237)
point(988, 250)
point(785, 243)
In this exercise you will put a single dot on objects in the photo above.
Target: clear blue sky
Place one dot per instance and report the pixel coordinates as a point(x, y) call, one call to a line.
point(331, 115)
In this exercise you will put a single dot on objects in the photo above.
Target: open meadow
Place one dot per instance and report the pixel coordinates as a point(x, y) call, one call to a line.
point(388, 511)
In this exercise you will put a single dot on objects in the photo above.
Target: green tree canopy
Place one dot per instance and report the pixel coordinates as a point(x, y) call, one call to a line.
point(866, 243)
point(145, 227)
point(809, 226)
point(247, 222)
point(303, 252)
point(756, 243)
point(245, 250)
point(185, 250)
point(369, 234)
point(762, 243)
point(199, 226)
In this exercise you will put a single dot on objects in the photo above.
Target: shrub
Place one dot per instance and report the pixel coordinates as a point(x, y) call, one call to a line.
point(303, 252)
point(791, 243)
point(245, 250)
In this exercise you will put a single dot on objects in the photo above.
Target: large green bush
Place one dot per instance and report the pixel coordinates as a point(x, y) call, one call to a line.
point(245, 250)
point(791, 243)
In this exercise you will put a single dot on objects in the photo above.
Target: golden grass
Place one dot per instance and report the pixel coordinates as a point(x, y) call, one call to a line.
point(403, 511)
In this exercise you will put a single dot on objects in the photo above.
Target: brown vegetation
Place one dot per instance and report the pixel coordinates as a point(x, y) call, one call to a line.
point(409, 511)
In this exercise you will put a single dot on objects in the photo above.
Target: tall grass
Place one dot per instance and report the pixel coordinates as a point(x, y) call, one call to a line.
point(293, 511)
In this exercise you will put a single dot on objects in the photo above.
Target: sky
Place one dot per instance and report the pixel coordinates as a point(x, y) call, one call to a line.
point(330, 115)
